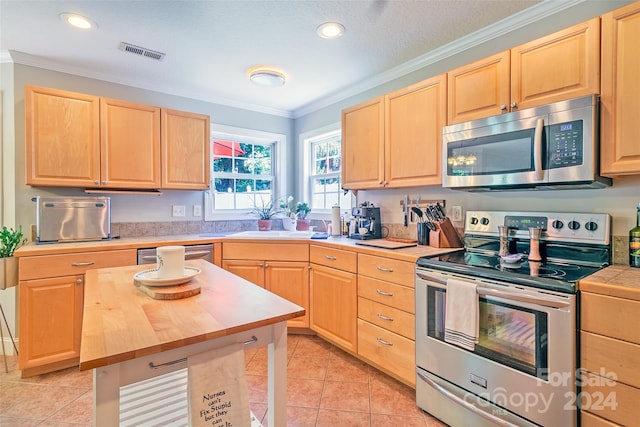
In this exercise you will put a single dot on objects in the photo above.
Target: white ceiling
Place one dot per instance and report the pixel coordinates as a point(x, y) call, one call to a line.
point(209, 45)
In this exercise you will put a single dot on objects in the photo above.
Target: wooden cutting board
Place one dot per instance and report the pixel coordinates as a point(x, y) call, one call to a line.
point(170, 292)
point(386, 244)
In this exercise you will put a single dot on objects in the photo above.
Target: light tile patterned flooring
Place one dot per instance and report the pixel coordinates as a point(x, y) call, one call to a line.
point(325, 387)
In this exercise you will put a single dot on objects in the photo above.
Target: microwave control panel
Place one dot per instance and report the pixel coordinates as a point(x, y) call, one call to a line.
point(566, 144)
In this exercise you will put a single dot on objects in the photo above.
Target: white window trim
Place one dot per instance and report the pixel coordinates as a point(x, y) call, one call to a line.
point(279, 166)
point(305, 169)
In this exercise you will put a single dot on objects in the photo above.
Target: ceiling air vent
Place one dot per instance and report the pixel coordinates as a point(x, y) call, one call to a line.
point(128, 47)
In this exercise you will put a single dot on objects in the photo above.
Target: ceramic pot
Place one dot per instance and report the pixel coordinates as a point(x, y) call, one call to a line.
point(289, 224)
point(303, 224)
point(264, 224)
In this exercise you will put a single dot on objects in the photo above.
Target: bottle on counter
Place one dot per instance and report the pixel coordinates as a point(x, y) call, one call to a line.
point(634, 242)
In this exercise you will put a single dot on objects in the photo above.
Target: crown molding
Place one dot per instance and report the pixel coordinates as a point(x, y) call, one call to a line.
point(513, 22)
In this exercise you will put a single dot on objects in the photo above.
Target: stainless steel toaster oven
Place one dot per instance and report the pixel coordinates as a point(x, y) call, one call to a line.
point(72, 219)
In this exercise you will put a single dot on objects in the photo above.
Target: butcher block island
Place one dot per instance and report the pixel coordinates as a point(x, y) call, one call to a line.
point(130, 338)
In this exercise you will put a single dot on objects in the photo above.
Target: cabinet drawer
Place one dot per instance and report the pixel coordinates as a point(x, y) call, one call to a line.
point(266, 251)
point(391, 270)
point(610, 316)
point(610, 400)
point(606, 356)
point(390, 294)
point(335, 258)
point(389, 351)
point(590, 420)
point(390, 318)
point(36, 267)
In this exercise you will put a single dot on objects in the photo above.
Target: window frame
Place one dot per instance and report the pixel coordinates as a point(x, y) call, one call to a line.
point(279, 162)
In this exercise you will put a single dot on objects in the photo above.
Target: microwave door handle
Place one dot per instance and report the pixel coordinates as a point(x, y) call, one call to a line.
point(537, 149)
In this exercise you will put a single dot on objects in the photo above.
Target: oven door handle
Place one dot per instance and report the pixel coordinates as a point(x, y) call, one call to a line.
point(464, 403)
point(441, 283)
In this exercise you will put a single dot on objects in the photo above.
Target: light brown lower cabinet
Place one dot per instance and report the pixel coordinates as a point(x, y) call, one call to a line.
point(51, 304)
point(282, 268)
point(334, 296)
point(609, 357)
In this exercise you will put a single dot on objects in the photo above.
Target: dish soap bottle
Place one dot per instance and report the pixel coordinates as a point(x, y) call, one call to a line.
point(634, 242)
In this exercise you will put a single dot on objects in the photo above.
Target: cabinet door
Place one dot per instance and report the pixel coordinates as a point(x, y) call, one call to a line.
point(560, 66)
point(290, 280)
point(130, 144)
point(62, 138)
point(619, 101)
point(363, 145)
point(414, 117)
point(479, 89)
point(333, 306)
point(185, 150)
point(253, 271)
point(50, 321)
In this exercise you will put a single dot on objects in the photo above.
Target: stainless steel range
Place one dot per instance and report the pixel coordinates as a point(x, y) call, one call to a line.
point(517, 366)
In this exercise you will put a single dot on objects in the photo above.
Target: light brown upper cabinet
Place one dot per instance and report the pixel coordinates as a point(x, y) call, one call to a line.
point(620, 99)
point(185, 150)
point(562, 65)
point(394, 141)
point(78, 140)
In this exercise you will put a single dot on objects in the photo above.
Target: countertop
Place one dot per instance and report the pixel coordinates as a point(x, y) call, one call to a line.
point(121, 323)
point(615, 280)
point(410, 254)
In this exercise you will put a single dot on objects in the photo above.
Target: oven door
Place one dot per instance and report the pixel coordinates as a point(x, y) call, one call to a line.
point(525, 359)
point(486, 154)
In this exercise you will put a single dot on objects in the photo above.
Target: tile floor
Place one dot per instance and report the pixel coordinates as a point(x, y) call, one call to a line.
point(326, 387)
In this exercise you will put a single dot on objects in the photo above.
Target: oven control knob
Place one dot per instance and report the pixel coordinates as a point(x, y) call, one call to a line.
point(484, 221)
point(591, 226)
point(573, 225)
point(557, 224)
point(473, 220)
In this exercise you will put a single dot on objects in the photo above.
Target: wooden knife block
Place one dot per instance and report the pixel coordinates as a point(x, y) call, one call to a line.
point(445, 236)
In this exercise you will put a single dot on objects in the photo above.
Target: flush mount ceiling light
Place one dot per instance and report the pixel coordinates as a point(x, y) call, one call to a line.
point(78, 21)
point(330, 30)
point(266, 77)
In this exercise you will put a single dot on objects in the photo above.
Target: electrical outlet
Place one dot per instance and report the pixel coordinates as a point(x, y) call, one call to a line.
point(178, 210)
point(456, 213)
point(197, 210)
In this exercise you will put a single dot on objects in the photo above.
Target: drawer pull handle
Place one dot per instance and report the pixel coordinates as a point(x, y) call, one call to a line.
point(82, 264)
point(386, 270)
point(329, 257)
point(381, 341)
point(383, 317)
point(183, 360)
point(384, 294)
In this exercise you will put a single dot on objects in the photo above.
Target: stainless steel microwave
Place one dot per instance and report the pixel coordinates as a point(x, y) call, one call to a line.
point(555, 146)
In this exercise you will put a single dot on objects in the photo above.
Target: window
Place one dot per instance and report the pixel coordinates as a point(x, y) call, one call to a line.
point(244, 170)
point(323, 151)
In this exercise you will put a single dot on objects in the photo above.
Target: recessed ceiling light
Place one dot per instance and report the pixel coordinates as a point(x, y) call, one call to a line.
point(330, 30)
point(78, 21)
point(263, 76)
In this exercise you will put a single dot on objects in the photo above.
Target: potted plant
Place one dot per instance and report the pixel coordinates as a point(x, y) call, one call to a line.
point(302, 210)
point(10, 240)
point(265, 211)
point(289, 220)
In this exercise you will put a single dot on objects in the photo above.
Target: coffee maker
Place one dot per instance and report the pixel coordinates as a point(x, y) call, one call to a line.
point(364, 217)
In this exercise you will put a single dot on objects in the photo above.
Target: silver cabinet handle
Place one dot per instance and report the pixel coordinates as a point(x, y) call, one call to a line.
point(79, 281)
point(183, 360)
point(503, 107)
point(383, 317)
point(386, 270)
point(329, 257)
point(383, 293)
point(513, 105)
point(381, 341)
point(82, 264)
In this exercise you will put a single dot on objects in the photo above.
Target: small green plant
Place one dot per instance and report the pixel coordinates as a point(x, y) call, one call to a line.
point(302, 210)
point(10, 240)
point(265, 210)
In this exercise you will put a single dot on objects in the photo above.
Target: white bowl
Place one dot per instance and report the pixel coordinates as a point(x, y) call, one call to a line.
point(363, 230)
point(511, 258)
